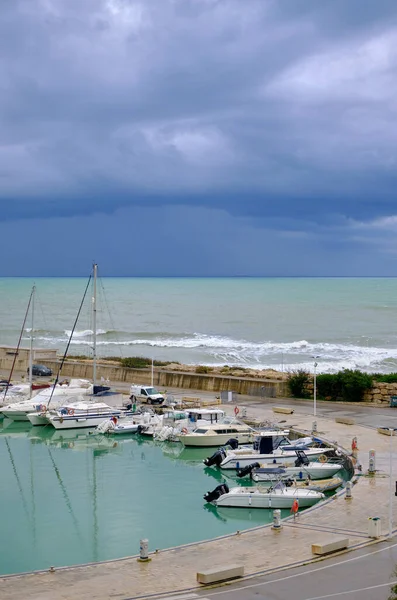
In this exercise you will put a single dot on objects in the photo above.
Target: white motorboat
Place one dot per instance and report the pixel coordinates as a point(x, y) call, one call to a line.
point(177, 422)
point(280, 496)
point(136, 423)
point(79, 415)
point(218, 434)
point(312, 471)
point(273, 447)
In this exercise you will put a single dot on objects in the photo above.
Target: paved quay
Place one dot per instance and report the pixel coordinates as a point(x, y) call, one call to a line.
point(260, 550)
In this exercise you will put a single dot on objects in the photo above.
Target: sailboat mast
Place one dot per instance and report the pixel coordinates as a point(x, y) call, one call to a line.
point(94, 325)
point(31, 344)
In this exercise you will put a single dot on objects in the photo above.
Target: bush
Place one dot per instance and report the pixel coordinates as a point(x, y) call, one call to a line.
point(298, 383)
point(389, 378)
point(328, 386)
point(201, 369)
point(353, 384)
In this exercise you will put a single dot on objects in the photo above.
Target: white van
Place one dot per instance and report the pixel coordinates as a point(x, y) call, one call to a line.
point(145, 393)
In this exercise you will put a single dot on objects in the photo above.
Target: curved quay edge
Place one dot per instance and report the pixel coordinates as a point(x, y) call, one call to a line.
point(365, 541)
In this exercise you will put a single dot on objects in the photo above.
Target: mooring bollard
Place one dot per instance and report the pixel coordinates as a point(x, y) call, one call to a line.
point(371, 463)
point(277, 519)
point(314, 427)
point(348, 495)
point(144, 551)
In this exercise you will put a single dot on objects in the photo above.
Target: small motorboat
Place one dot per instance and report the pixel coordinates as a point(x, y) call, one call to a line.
point(279, 496)
point(300, 469)
point(320, 485)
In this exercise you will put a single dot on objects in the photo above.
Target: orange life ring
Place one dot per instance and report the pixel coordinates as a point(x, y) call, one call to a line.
point(323, 458)
point(115, 420)
point(43, 407)
point(184, 431)
point(70, 412)
point(236, 410)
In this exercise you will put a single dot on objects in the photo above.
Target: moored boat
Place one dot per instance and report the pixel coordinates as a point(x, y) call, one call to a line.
point(217, 434)
point(280, 496)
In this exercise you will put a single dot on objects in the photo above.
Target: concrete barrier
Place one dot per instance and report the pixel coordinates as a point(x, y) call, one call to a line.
point(283, 409)
point(220, 574)
point(345, 420)
point(331, 546)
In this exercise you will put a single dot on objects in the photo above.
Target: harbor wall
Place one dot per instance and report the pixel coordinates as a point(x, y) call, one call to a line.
point(174, 379)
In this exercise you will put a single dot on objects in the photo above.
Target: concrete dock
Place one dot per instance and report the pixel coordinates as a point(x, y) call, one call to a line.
point(261, 550)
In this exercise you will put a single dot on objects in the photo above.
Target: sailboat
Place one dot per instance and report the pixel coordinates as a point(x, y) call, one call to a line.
point(17, 394)
point(100, 405)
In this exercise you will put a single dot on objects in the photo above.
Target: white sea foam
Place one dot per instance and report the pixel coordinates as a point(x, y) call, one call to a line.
point(84, 333)
point(220, 350)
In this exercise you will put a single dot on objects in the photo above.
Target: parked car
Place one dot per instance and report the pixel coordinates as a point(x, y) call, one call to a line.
point(40, 371)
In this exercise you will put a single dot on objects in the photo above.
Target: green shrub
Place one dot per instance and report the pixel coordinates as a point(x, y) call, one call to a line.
point(201, 369)
point(136, 362)
point(353, 384)
point(328, 386)
point(389, 378)
point(298, 383)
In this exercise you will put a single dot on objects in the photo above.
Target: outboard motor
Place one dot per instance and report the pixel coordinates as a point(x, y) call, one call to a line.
point(221, 489)
point(233, 443)
point(216, 458)
point(248, 469)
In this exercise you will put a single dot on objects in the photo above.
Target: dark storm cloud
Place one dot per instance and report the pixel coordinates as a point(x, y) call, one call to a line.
point(264, 109)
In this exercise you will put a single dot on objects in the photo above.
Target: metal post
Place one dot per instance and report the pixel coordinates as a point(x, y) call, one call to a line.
point(391, 485)
point(152, 372)
point(315, 392)
point(31, 346)
point(94, 326)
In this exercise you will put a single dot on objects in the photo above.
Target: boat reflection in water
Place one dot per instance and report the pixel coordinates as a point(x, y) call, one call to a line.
point(247, 517)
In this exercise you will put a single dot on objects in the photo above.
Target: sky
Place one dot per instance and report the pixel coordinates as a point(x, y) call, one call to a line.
point(198, 137)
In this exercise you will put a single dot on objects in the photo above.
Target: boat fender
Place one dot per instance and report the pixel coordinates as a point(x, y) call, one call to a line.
point(61, 419)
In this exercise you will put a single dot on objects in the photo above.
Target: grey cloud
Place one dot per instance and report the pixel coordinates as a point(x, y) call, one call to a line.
point(260, 108)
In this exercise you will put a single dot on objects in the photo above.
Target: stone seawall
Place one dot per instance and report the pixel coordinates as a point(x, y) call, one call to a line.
point(175, 379)
point(380, 393)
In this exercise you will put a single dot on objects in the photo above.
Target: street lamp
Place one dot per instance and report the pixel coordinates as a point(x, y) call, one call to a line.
point(391, 431)
point(315, 387)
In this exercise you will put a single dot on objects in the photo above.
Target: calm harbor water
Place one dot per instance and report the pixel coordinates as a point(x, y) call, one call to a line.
point(72, 497)
point(255, 322)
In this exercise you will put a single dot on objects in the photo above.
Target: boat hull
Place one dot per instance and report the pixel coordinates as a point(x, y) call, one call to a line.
point(214, 440)
point(253, 498)
point(312, 471)
point(235, 460)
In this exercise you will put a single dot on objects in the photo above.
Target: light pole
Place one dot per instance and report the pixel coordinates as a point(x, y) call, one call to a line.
point(391, 431)
point(315, 387)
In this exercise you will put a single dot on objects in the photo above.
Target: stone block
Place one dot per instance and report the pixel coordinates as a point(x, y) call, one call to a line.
point(283, 409)
point(345, 420)
point(330, 546)
point(222, 573)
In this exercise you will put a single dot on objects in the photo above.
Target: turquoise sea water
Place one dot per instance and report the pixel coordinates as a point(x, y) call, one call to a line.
point(256, 322)
point(71, 497)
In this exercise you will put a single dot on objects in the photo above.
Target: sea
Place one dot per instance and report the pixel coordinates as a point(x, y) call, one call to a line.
point(262, 323)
